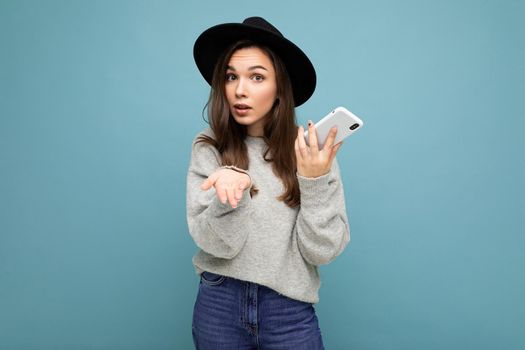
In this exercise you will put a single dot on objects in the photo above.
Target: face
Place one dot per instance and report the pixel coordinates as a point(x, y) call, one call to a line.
point(251, 88)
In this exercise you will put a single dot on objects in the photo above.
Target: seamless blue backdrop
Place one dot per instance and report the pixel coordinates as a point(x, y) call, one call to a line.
point(99, 103)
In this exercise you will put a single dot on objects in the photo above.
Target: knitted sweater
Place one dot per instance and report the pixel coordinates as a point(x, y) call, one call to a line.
point(263, 240)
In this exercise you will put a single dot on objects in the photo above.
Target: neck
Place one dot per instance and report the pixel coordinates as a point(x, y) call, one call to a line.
point(255, 131)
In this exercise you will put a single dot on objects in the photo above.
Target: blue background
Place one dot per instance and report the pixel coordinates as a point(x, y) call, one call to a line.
point(99, 103)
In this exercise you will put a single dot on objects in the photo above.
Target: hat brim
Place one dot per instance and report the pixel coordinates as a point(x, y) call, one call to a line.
point(213, 41)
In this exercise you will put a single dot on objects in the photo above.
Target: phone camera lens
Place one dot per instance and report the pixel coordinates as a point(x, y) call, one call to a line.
point(354, 126)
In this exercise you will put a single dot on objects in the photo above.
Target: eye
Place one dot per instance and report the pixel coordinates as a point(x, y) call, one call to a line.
point(230, 76)
point(258, 77)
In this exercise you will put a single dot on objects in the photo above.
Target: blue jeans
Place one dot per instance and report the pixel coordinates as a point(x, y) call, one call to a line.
point(233, 314)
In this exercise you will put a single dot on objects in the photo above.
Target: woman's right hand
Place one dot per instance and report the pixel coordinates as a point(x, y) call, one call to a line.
point(229, 185)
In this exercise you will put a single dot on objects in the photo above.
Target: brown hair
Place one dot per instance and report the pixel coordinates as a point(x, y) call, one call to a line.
point(280, 129)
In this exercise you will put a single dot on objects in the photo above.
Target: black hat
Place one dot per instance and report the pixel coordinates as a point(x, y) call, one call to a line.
point(213, 41)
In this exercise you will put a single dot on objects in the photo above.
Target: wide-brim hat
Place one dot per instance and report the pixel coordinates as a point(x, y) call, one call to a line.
point(212, 42)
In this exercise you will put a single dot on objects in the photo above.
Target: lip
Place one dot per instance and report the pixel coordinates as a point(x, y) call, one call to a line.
point(241, 106)
point(241, 109)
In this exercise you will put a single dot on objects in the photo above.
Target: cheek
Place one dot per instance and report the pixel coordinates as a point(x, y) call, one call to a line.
point(227, 91)
point(268, 96)
point(229, 94)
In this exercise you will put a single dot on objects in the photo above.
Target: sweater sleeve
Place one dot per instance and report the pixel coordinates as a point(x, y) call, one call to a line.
point(218, 229)
point(322, 226)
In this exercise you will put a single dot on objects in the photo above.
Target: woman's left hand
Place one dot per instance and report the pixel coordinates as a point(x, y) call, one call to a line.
point(312, 162)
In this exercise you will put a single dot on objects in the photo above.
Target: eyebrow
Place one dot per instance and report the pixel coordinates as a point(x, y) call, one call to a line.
point(251, 68)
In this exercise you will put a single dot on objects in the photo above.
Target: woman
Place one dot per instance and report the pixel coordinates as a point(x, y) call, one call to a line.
point(276, 211)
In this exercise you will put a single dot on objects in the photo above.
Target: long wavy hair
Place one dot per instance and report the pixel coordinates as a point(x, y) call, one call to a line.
point(280, 129)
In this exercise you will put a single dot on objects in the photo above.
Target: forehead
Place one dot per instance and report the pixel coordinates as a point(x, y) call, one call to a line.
point(249, 57)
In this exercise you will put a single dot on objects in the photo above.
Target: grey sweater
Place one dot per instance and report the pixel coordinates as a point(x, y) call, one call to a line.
point(263, 240)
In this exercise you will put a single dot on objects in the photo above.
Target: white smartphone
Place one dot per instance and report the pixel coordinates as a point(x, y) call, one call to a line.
point(346, 122)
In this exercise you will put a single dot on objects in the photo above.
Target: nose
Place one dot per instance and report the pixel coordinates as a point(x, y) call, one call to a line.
point(240, 89)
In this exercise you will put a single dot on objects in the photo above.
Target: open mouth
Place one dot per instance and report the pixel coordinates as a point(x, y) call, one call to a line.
point(241, 108)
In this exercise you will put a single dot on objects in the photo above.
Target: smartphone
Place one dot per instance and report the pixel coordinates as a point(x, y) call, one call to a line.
point(346, 122)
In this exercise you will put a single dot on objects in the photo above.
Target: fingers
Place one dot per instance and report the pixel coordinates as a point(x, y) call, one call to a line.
point(222, 194)
point(238, 194)
point(235, 192)
point(334, 151)
point(206, 184)
point(303, 149)
point(242, 184)
point(229, 185)
point(330, 139)
point(230, 192)
point(209, 182)
point(312, 138)
point(226, 194)
point(240, 189)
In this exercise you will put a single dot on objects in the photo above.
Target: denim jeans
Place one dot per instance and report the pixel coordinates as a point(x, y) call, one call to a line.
point(234, 314)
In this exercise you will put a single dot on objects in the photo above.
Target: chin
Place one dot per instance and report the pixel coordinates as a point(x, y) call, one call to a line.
point(243, 120)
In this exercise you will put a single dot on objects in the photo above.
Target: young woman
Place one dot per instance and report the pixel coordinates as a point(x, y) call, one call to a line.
point(264, 208)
